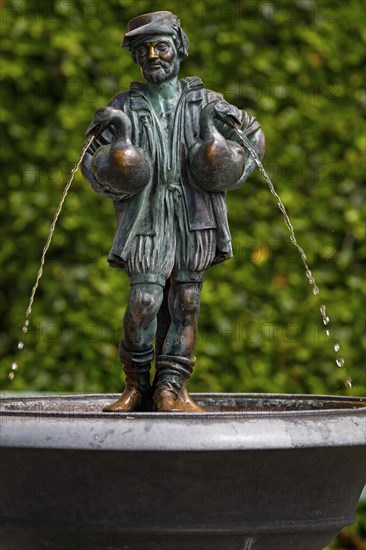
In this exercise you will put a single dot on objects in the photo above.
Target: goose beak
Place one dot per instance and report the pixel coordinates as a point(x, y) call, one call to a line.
point(92, 129)
point(233, 120)
point(227, 114)
point(100, 121)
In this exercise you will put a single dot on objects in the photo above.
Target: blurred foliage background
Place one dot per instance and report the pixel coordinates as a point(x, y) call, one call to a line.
point(296, 65)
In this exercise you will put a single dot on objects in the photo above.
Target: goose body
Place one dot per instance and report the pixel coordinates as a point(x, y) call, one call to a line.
point(120, 166)
point(216, 163)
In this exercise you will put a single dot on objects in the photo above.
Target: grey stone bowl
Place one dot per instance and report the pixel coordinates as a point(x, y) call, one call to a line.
point(254, 472)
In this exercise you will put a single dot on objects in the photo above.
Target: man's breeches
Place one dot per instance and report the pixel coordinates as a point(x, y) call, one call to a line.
point(174, 251)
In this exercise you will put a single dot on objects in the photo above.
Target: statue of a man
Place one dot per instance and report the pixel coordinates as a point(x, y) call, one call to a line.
point(166, 152)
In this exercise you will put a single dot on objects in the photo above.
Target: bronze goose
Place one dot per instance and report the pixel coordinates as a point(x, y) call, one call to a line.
point(216, 163)
point(120, 166)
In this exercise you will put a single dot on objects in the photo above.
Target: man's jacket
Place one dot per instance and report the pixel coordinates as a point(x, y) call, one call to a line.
point(138, 215)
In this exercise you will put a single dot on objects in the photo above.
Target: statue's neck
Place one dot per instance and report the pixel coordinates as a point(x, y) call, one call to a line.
point(166, 91)
point(164, 96)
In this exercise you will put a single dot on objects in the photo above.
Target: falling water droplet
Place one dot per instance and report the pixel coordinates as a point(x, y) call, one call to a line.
point(315, 290)
point(20, 345)
point(11, 375)
point(336, 347)
point(14, 366)
point(327, 332)
point(340, 361)
point(348, 382)
point(323, 309)
point(326, 320)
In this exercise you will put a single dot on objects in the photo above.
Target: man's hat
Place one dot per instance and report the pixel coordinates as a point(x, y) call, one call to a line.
point(155, 23)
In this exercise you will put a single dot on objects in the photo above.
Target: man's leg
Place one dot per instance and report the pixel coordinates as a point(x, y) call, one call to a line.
point(184, 305)
point(175, 364)
point(139, 324)
point(136, 349)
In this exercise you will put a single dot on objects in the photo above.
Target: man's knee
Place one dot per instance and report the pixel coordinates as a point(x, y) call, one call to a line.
point(187, 299)
point(145, 300)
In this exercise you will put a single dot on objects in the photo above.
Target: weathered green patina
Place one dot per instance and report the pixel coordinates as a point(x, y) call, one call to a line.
point(166, 152)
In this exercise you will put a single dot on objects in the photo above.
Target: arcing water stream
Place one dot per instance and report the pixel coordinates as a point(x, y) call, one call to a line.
point(323, 310)
point(21, 344)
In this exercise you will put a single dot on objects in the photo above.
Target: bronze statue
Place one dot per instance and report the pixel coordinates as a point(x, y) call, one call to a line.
point(166, 152)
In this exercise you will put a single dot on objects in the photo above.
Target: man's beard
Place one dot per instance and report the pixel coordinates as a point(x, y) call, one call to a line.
point(166, 71)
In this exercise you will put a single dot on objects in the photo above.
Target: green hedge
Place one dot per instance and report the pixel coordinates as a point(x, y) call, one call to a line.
point(297, 67)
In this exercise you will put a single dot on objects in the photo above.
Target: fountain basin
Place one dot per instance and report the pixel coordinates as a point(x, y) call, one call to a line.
point(254, 472)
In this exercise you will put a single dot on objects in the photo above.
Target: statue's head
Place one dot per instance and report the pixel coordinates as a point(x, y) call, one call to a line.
point(157, 43)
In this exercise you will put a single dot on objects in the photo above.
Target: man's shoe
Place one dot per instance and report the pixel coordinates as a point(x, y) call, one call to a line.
point(165, 400)
point(186, 403)
point(137, 394)
point(131, 400)
point(170, 391)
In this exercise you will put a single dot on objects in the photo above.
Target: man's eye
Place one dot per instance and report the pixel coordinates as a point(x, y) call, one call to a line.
point(162, 48)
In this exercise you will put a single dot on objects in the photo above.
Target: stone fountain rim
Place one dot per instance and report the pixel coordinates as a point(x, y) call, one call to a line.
point(358, 402)
point(210, 431)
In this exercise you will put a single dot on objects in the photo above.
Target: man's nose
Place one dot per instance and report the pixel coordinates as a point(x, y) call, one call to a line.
point(152, 54)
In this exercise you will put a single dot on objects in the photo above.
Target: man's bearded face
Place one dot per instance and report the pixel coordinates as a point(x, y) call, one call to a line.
point(158, 58)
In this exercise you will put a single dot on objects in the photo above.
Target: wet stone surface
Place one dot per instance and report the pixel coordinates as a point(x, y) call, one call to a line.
point(212, 403)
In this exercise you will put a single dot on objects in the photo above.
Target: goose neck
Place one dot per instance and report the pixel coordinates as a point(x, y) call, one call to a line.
point(208, 127)
point(123, 128)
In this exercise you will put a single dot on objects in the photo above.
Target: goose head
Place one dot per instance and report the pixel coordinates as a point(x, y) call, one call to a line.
point(224, 112)
point(106, 117)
